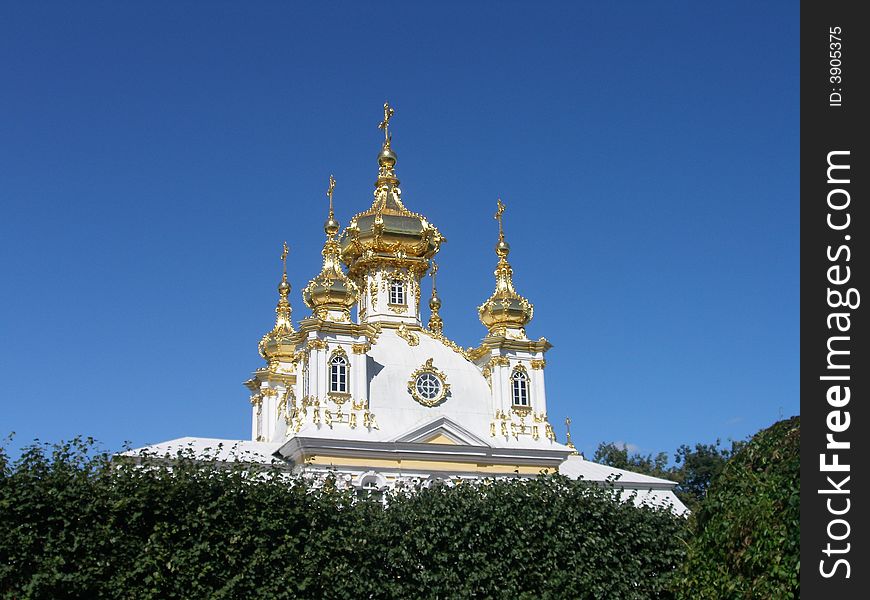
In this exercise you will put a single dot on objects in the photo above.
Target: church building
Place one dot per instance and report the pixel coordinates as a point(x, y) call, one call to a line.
point(369, 389)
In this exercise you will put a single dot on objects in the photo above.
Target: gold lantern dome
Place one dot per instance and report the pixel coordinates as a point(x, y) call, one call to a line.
point(279, 344)
point(505, 309)
point(331, 290)
point(387, 231)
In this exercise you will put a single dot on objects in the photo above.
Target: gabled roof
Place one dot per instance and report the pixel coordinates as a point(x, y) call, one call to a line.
point(439, 428)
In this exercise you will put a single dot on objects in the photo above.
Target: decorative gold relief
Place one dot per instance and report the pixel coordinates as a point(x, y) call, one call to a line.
point(548, 432)
point(317, 344)
point(373, 292)
point(428, 385)
point(412, 338)
point(358, 404)
point(538, 363)
point(522, 411)
point(338, 397)
point(361, 348)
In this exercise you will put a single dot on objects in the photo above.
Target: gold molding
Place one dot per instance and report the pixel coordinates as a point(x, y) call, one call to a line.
point(538, 363)
point(412, 338)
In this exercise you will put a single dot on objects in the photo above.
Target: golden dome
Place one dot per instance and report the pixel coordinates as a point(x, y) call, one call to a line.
point(331, 290)
point(505, 309)
point(279, 344)
point(388, 230)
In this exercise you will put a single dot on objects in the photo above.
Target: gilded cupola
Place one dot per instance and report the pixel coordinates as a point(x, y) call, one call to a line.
point(505, 313)
point(388, 232)
point(331, 294)
point(278, 345)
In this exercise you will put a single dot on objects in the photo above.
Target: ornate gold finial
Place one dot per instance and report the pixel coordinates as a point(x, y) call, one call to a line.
point(329, 191)
point(505, 313)
point(331, 226)
point(436, 324)
point(385, 124)
point(331, 294)
point(569, 443)
point(498, 213)
point(284, 258)
point(277, 345)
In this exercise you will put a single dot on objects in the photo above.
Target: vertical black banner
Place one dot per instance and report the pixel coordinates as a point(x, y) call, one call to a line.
point(835, 371)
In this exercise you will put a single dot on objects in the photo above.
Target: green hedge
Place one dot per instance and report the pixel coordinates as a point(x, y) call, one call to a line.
point(75, 525)
point(748, 528)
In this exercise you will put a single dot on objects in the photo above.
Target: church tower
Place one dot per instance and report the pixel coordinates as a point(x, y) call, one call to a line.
point(512, 363)
point(382, 399)
point(387, 248)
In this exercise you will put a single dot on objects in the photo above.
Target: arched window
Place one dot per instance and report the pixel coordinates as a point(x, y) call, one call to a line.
point(397, 292)
point(371, 485)
point(520, 388)
point(338, 374)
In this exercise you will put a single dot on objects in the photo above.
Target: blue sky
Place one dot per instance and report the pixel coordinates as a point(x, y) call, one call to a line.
point(154, 156)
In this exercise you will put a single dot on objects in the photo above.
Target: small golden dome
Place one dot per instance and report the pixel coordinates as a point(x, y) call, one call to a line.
point(331, 290)
point(279, 343)
point(505, 308)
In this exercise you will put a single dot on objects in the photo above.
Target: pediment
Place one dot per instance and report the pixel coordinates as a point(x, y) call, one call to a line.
point(441, 431)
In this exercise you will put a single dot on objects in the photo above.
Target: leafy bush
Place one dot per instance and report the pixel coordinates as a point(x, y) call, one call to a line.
point(748, 539)
point(75, 524)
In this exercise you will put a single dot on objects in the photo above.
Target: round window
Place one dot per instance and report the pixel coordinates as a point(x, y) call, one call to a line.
point(428, 386)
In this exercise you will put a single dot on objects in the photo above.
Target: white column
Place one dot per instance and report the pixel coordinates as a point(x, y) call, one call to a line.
point(540, 400)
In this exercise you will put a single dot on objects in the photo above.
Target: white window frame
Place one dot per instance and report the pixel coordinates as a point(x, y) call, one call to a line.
point(520, 389)
point(339, 374)
point(397, 292)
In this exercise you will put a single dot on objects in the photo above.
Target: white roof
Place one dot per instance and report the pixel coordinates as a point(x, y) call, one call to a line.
point(211, 448)
point(576, 467)
point(650, 491)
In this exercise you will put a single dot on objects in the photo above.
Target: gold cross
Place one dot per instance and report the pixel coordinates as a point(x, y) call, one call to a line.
point(329, 191)
point(284, 257)
point(498, 217)
point(385, 124)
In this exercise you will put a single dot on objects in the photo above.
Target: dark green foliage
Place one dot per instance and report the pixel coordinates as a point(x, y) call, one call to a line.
point(694, 470)
point(748, 539)
point(617, 456)
point(74, 524)
point(697, 468)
